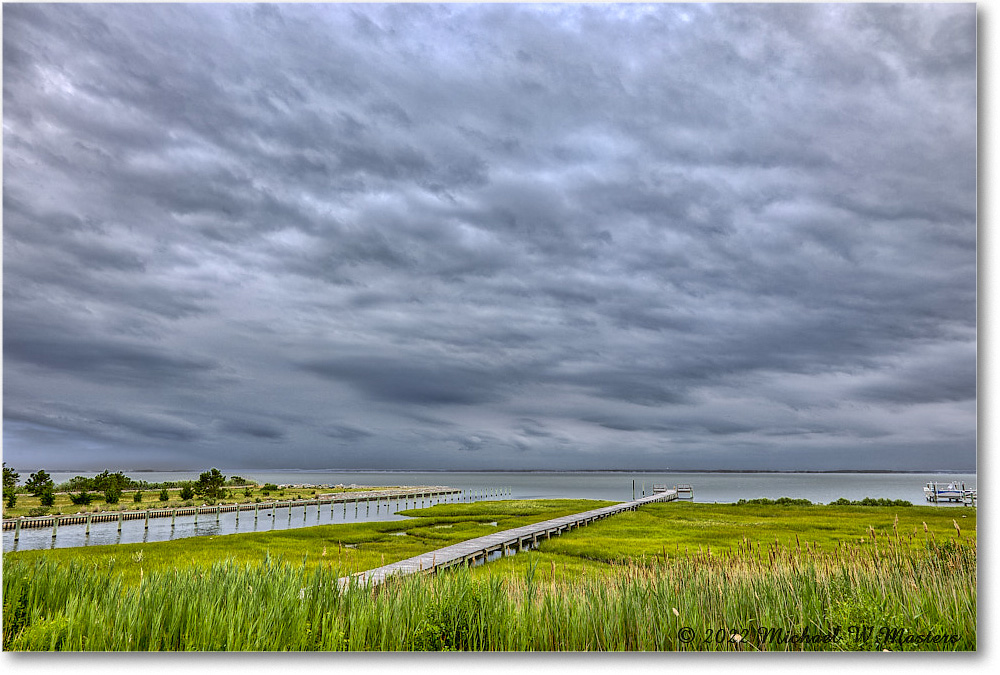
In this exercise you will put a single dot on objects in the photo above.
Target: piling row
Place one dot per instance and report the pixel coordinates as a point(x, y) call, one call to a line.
point(405, 495)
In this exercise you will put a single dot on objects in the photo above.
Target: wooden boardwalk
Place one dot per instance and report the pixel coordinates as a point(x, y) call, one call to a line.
point(481, 548)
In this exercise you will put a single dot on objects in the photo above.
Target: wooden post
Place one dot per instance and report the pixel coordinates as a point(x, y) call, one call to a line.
point(237, 516)
point(196, 510)
point(89, 516)
point(55, 524)
point(121, 517)
point(147, 519)
point(17, 528)
point(255, 509)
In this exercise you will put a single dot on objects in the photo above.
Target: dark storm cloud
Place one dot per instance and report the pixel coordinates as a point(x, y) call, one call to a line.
point(399, 381)
point(254, 429)
point(464, 236)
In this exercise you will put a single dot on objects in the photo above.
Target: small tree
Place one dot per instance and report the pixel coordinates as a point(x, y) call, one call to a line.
point(47, 496)
point(10, 478)
point(164, 495)
point(210, 484)
point(38, 482)
point(83, 498)
point(137, 497)
point(187, 492)
point(112, 495)
point(248, 491)
point(106, 479)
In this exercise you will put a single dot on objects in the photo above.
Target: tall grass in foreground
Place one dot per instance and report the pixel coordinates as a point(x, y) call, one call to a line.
point(635, 606)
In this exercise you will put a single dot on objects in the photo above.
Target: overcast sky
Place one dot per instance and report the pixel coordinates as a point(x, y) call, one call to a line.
point(459, 237)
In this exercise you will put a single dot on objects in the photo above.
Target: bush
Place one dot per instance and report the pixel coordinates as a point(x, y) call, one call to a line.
point(164, 495)
point(10, 499)
point(248, 491)
point(47, 497)
point(112, 495)
point(83, 498)
point(187, 492)
point(869, 501)
point(38, 511)
point(270, 487)
point(137, 497)
point(780, 501)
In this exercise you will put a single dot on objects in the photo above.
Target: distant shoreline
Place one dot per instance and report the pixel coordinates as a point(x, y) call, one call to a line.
point(542, 471)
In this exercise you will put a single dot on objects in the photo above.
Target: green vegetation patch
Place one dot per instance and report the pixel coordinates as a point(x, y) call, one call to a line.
point(676, 529)
point(351, 547)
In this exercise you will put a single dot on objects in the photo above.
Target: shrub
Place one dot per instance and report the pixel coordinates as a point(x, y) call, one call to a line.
point(270, 487)
point(38, 511)
point(187, 492)
point(83, 497)
point(780, 501)
point(869, 501)
point(248, 491)
point(10, 499)
point(164, 495)
point(112, 495)
point(137, 497)
point(47, 497)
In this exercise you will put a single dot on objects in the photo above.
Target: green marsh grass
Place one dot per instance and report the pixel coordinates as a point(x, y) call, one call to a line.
point(277, 606)
point(626, 583)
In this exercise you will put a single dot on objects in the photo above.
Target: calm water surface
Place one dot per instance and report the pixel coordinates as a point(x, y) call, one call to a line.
point(615, 486)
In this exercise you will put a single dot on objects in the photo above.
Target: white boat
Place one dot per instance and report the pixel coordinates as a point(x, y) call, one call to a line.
point(944, 492)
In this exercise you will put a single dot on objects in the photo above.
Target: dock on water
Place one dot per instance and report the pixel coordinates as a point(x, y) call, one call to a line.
point(480, 549)
point(399, 495)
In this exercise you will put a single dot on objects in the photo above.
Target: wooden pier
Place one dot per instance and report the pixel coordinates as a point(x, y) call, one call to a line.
point(366, 497)
point(480, 549)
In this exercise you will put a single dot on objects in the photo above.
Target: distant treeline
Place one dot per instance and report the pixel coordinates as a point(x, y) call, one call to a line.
point(788, 501)
point(105, 480)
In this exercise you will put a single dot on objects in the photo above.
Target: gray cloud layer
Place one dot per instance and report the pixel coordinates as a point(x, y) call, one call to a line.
point(411, 236)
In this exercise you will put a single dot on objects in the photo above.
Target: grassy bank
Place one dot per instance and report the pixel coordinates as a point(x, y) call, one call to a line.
point(732, 603)
point(668, 577)
point(352, 547)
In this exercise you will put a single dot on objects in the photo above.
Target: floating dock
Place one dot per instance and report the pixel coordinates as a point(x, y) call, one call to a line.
point(480, 549)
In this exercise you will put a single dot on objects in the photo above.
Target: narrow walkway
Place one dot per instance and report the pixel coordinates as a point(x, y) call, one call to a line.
point(480, 548)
